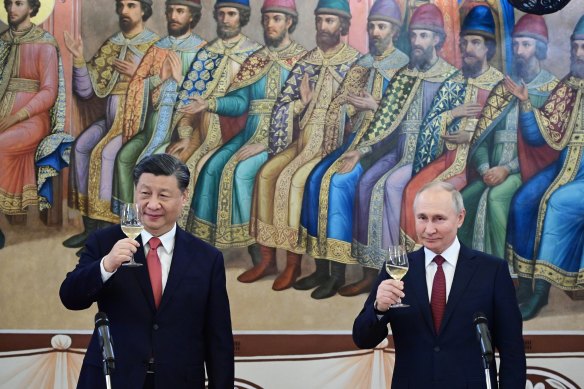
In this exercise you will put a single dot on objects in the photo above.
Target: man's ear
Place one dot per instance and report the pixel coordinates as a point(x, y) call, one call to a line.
point(461, 217)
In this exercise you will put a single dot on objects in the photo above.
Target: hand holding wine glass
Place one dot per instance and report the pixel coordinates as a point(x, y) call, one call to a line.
point(397, 266)
point(131, 226)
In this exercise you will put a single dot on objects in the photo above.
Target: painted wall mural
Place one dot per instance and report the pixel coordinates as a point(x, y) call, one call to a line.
point(307, 132)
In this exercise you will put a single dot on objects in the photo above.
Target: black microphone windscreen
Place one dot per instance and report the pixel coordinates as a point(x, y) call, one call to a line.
point(101, 319)
point(479, 317)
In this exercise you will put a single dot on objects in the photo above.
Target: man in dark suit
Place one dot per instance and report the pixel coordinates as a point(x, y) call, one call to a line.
point(446, 284)
point(170, 318)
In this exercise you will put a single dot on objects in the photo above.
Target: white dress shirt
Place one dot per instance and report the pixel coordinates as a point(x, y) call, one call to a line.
point(165, 251)
point(451, 258)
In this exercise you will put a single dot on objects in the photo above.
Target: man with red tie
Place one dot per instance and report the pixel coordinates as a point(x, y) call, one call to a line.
point(445, 286)
point(169, 319)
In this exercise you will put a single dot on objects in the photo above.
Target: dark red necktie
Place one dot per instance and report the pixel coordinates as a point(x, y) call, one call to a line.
point(155, 270)
point(438, 302)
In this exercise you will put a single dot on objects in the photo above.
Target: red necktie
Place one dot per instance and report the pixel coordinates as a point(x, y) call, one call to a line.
point(438, 302)
point(155, 270)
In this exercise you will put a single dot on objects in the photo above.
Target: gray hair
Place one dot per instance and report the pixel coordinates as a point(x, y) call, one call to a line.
point(457, 202)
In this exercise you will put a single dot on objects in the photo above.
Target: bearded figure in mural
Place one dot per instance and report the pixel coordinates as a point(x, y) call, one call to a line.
point(214, 68)
point(499, 159)
point(388, 144)
point(33, 145)
point(544, 234)
point(296, 144)
point(442, 147)
point(327, 205)
point(221, 204)
point(152, 93)
point(106, 76)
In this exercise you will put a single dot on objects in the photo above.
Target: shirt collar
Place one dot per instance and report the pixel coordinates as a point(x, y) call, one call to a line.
point(166, 239)
point(450, 254)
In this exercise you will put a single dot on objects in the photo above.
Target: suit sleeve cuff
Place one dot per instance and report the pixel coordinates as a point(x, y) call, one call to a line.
point(105, 275)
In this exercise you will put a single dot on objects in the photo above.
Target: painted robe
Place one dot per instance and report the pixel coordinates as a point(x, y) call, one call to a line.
point(393, 134)
point(296, 141)
point(436, 160)
point(221, 205)
point(96, 148)
point(209, 76)
point(327, 205)
point(495, 144)
point(545, 228)
point(35, 149)
point(152, 101)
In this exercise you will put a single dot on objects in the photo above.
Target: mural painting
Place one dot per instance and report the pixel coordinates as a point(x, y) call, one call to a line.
point(307, 130)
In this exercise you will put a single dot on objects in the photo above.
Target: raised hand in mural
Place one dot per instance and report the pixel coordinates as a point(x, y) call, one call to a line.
point(306, 91)
point(197, 105)
point(249, 151)
point(363, 101)
point(458, 137)
point(467, 110)
point(74, 45)
point(127, 68)
point(519, 91)
point(349, 160)
point(171, 67)
point(495, 175)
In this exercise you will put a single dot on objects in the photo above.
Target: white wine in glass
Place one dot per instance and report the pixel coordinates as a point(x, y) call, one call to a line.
point(131, 226)
point(397, 266)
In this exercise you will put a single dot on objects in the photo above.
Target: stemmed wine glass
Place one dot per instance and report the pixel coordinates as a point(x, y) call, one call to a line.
point(397, 266)
point(131, 226)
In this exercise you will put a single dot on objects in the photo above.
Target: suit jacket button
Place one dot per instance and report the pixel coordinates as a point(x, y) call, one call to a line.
point(155, 326)
point(437, 349)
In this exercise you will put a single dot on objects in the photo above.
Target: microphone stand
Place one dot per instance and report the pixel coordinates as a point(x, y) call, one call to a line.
point(107, 369)
point(487, 371)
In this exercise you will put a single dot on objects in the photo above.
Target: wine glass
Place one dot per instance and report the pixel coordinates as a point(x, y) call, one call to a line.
point(131, 226)
point(397, 266)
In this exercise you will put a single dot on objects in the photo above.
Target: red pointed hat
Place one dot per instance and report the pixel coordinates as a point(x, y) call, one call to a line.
point(427, 17)
point(285, 6)
point(531, 26)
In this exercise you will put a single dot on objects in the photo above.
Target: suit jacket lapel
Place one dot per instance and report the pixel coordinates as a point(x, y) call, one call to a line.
point(142, 274)
point(417, 283)
point(465, 270)
point(181, 261)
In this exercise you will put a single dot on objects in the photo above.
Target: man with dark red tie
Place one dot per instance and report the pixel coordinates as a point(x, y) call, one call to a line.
point(169, 319)
point(446, 285)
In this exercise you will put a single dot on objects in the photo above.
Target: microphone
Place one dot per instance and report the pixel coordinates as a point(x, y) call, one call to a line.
point(484, 338)
point(105, 342)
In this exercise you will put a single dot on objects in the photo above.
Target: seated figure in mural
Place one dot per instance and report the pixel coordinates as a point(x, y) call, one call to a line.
point(389, 142)
point(544, 231)
point(442, 147)
point(33, 145)
point(221, 205)
point(152, 93)
point(499, 159)
point(106, 76)
point(209, 76)
point(327, 204)
point(296, 144)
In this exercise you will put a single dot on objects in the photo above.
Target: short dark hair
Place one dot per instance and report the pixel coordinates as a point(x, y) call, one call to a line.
point(196, 15)
point(294, 19)
point(163, 165)
point(491, 44)
point(35, 5)
point(244, 15)
point(345, 25)
point(146, 8)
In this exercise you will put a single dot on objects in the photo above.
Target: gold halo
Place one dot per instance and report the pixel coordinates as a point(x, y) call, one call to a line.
point(44, 12)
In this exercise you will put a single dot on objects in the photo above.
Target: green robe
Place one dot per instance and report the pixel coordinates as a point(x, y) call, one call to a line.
point(487, 208)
